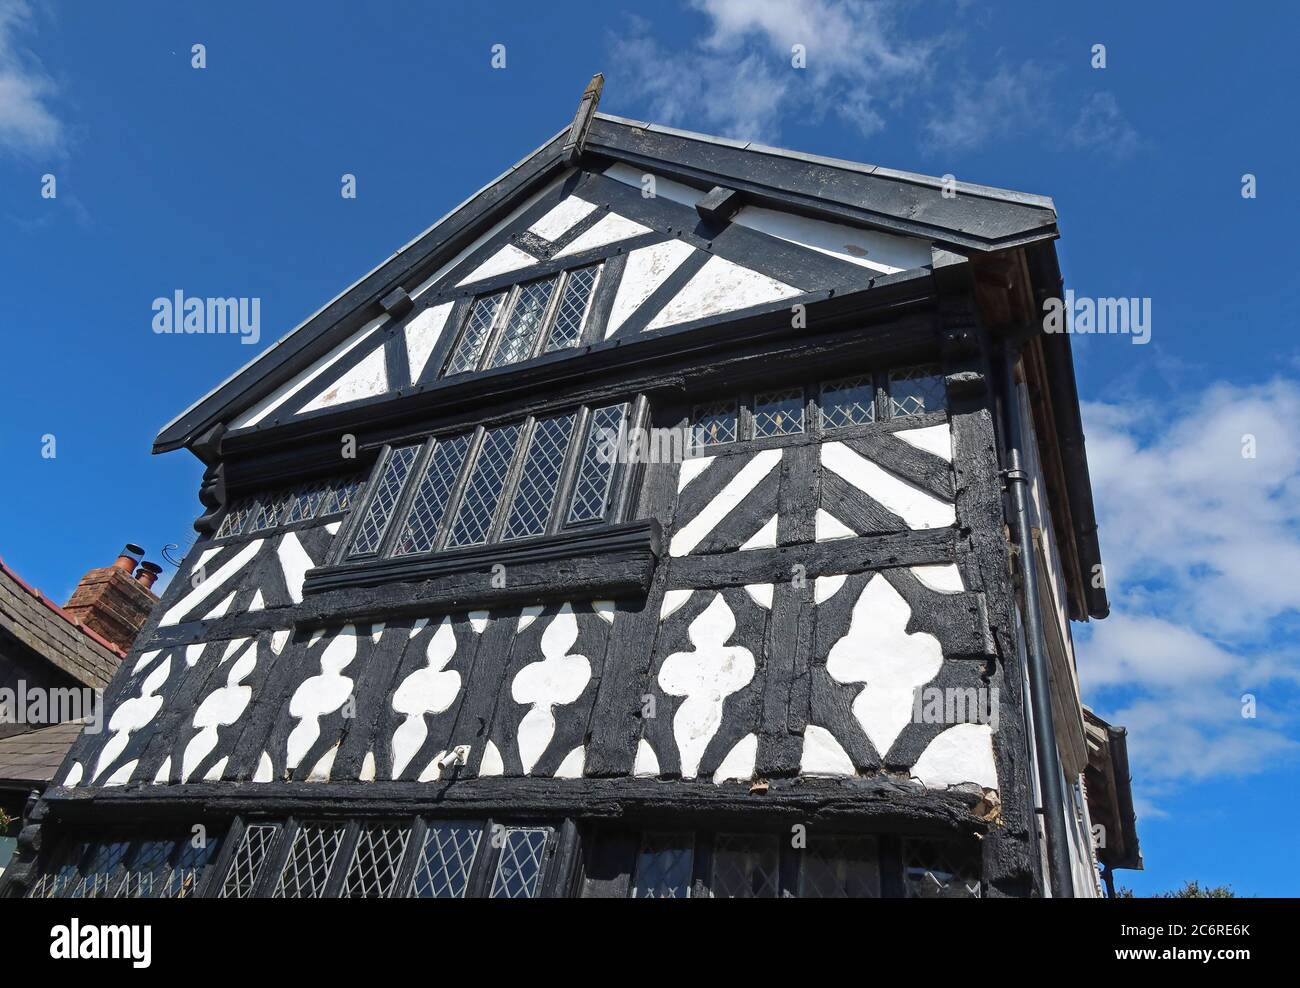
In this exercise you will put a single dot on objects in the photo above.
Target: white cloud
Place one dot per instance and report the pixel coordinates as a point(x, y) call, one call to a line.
point(1012, 101)
point(738, 78)
point(1202, 548)
point(1103, 128)
point(27, 124)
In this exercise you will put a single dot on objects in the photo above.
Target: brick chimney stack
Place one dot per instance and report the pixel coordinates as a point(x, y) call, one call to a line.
point(115, 601)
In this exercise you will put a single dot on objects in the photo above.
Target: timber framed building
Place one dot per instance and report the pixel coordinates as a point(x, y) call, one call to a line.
point(441, 636)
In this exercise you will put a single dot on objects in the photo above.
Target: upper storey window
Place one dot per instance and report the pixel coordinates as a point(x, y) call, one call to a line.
point(492, 484)
point(263, 512)
point(824, 406)
point(525, 321)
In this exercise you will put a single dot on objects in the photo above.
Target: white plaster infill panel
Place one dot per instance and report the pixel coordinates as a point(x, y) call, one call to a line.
point(609, 229)
point(918, 508)
point(562, 218)
point(286, 391)
point(647, 268)
point(422, 334)
point(885, 253)
point(508, 258)
point(751, 474)
point(720, 286)
point(366, 380)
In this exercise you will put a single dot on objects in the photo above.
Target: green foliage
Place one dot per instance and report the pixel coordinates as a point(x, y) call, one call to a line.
point(1190, 890)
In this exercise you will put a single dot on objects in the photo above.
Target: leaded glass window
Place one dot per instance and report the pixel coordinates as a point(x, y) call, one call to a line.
point(664, 866)
point(446, 862)
point(237, 516)
point(188, 867)
point(524, 324)
point(288, 506)
point(424, 520)
point(101, 870)
point(714, 424)
point(915, 391)
point(146, 874)
point(839, 868)
point(530, 512)
point(307, 501)
point(596, 470)
point(851, 401)
point(483, 491)
point(315, 846)
point(571, 314)
point(474, 338)
point(246, 863)
point(746, 866)
point(519, 868)
point(778, 413)
point(940, 870)
point(380, 508)
point(376, 860)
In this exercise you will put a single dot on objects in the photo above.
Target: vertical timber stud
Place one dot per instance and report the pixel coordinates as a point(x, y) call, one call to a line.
point(1010, 852)
point(582, 119)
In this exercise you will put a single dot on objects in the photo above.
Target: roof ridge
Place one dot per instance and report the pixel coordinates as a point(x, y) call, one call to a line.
point(32, 591)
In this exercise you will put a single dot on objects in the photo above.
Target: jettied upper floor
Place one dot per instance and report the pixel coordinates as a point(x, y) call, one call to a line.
point(619, 243)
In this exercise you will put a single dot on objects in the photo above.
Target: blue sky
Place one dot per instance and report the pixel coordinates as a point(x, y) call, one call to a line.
point(225, 181)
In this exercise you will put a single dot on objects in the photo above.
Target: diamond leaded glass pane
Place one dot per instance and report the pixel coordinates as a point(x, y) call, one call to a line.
point(146, 875)
point(572, 310)
point(483, 492)
point(375, 862)
point(839, 868)
point(380, 509)
point(915, 391)
point(421, 530)
point(478, 327)
point(237, 517)
point(271, 510)
point(519, 869)
point(940, 870)
point(315, 847)
point(519, 338)
point(188, 869)
point(851, 401)
point(531, 510)
point(55, 884)
point(714, 424)
point(444, 867)
point(343, 494)
point(100, 872)
point(246, 864)
point(778, 413)
point(746, 866)
point(596, 471)
point(664, 866)
point(307, 501)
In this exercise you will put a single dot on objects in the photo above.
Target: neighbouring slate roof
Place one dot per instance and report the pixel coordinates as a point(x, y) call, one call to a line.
point(44, 627)
point(34, 757)
point(977, 219)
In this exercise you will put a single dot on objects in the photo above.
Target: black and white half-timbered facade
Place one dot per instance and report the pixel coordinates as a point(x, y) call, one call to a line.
point(676, 516)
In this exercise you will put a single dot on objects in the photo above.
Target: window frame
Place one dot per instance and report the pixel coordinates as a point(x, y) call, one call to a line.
point(501, 320)
point(620, 493)
point(814, 428)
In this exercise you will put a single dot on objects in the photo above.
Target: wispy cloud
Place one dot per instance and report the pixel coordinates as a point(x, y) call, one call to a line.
point(28, 126)
point(1200, 543)
point(1012, 101)
point(1103, 128)
point(739, 77)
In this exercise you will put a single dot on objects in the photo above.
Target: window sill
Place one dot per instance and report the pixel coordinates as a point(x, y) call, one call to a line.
point(595, 563)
